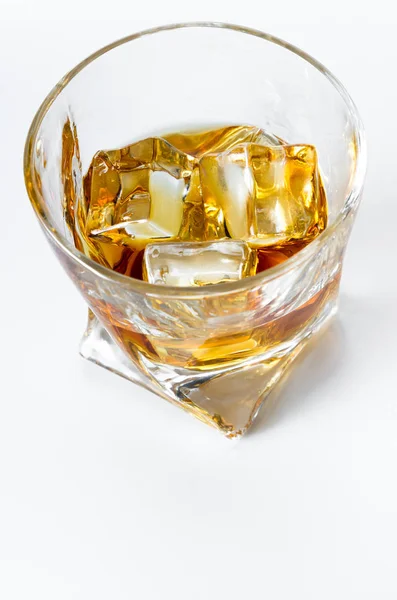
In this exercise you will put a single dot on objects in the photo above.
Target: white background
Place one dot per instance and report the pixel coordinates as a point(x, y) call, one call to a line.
point(107, 492)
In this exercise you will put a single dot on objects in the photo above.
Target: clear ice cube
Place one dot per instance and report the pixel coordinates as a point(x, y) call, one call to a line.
point(137, 193)
point(198, 263)
point(269, 194)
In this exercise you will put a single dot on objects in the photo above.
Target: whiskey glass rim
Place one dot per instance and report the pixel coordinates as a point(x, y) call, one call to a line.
point(350, 204)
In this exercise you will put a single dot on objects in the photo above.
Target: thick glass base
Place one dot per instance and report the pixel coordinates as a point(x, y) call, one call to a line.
point(228, 398)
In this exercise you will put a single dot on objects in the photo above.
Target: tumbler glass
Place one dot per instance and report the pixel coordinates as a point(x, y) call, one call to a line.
point(216, 351)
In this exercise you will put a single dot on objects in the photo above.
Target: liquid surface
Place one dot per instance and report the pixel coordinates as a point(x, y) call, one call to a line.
point(145, 204)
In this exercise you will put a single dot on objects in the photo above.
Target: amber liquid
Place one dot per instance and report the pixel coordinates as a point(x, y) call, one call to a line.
point(217, 350)
point(118, 189)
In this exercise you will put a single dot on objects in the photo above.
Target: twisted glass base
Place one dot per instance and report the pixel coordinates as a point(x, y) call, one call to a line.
point(228, 398)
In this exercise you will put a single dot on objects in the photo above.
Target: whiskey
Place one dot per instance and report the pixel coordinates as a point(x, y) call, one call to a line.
point(197, 209)
point(203, 350)
point(234, 183)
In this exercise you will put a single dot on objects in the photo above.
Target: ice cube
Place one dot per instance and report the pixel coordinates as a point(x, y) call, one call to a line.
point(219, 140)
point(269, 194)
point(137, 193)
point(203, 218)
point(198, 263)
